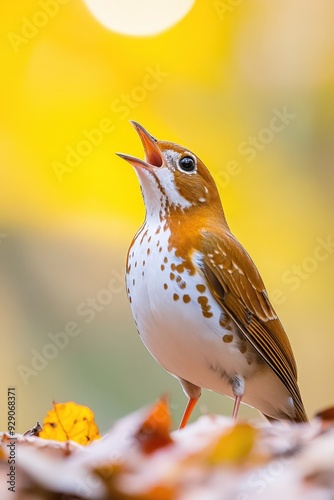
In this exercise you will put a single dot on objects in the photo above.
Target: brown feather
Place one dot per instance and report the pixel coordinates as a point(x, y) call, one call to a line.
point(239, 289)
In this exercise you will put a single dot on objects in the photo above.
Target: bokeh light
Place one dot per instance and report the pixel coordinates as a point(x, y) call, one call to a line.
point(147, 17)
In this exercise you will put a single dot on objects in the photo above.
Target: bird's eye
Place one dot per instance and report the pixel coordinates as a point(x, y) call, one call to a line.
point(187, 164)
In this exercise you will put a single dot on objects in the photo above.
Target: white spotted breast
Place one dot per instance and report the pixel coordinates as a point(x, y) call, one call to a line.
point(178, 319)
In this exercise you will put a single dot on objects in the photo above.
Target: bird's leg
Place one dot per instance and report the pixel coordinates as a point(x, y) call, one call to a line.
point(237, 402)
point(188, 411)
point(193, 393)
point(238, 388)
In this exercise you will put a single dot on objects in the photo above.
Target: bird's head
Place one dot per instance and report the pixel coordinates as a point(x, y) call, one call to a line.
point(173, 178)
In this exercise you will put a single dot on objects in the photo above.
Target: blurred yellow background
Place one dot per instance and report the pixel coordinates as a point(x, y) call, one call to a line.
point(249, 87)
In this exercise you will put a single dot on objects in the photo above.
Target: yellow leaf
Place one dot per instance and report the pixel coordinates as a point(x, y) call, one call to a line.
point(233, 446)
point(70, 421)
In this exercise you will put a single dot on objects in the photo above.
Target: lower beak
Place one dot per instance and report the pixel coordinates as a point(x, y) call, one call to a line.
point(153, 157)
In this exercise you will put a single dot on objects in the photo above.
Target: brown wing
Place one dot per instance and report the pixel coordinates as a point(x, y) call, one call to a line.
point(238, 288)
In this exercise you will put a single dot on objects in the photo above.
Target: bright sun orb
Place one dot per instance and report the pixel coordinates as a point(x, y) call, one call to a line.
point(139, 17)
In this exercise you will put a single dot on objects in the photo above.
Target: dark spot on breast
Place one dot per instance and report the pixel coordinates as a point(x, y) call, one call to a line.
point(176, 296)
point(182, 285)
point(186, 299)
point(165, 260)
point(203, 300)
point(207, 314)
point(143, 237)
point(228, 338)
point(180, 268)
point(243, 347)
point(205, 306)
point(172, 276)
point(162, 267)
point(165, 286)
point(201, 288)
point(180, 282)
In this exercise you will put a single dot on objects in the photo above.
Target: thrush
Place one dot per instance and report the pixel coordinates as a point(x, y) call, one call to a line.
point(198, 301)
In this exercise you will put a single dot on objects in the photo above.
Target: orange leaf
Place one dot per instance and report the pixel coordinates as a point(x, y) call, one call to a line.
point(162, 492)
point(154, 432)
point(327, 415)
point(69, 421)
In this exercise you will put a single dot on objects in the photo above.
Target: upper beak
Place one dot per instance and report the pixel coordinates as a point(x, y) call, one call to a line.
point(153, 155)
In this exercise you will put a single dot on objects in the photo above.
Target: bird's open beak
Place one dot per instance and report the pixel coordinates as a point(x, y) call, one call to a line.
point(153, 157)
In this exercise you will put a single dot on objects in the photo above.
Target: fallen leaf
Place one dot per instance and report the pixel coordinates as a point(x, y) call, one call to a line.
point(138, 459)
point(161, 492)
point(154, 432)
point(326, 415)
point(234, 445)
point(70, 422)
